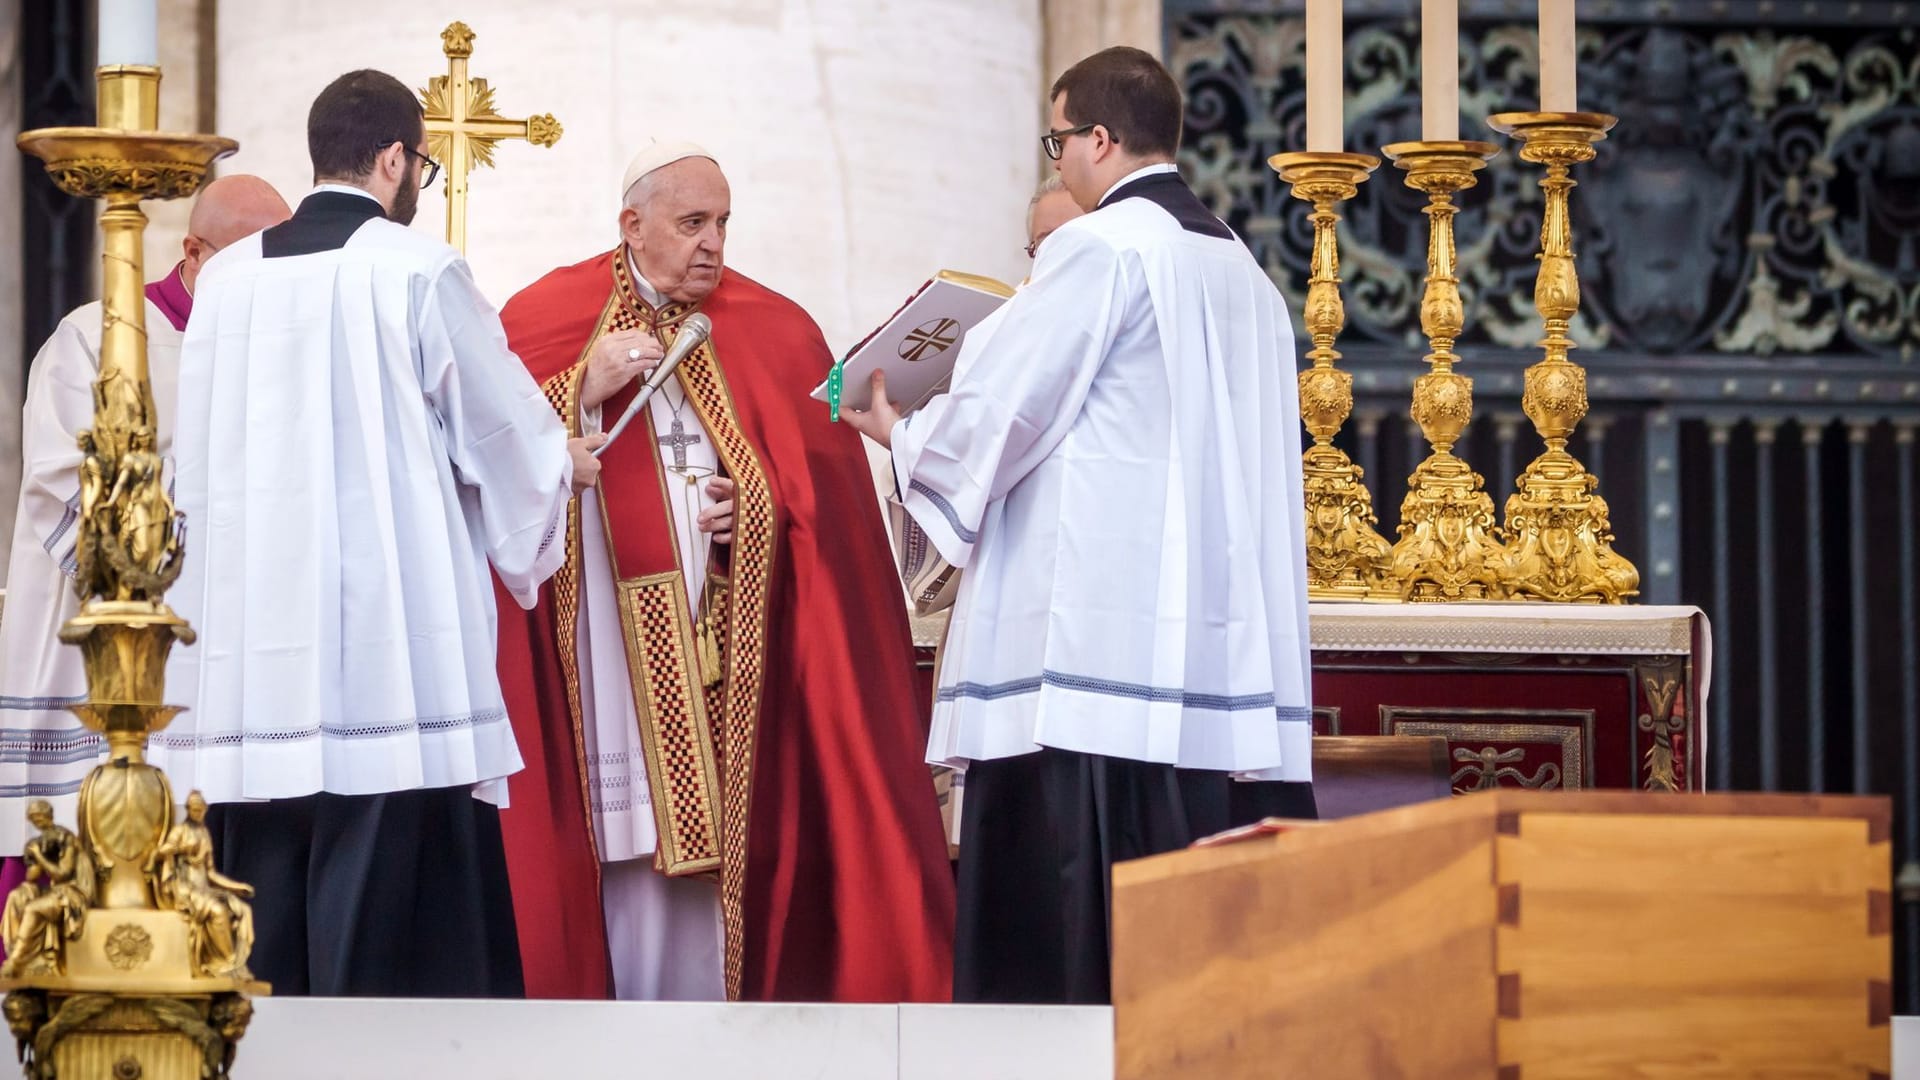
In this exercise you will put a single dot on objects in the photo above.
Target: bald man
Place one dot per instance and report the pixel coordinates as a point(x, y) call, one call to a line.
point(231, 208)
point(44, 752)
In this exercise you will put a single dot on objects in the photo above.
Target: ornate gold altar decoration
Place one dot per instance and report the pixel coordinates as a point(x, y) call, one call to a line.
point(462, 126)
point(1346, 558)
point(1446, 550)
point(1557, 535)
point(126, 952)
point(1660, 684)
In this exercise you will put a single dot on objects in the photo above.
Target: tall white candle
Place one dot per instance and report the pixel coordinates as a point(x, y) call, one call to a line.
point(1439, 70)
point(1326, 77)
point(1558, 63)
point(129, 32)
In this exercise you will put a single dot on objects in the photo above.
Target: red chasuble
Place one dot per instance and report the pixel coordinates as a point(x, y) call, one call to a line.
point(794, 767)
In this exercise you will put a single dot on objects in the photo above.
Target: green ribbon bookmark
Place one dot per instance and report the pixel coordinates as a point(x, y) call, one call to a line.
point(836, 380)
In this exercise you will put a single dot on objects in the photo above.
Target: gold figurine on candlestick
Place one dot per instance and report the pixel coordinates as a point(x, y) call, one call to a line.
point(1557, 536)
point(1446, 550)
point(126, 958)
point(1346, 558)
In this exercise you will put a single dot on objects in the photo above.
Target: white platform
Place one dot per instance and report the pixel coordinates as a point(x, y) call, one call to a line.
point(371, 1039)
point(368, 1039)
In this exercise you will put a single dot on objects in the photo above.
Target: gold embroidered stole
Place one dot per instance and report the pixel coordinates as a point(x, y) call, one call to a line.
point(698, 740)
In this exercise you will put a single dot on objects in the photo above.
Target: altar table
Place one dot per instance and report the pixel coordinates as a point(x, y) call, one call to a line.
point(1527, 695)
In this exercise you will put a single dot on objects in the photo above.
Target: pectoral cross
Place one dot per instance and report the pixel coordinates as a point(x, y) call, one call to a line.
point(462, 126)
point(679, 438)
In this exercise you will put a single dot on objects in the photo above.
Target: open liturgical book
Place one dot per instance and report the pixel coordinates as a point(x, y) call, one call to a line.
point(917, 348)
point(917, 345)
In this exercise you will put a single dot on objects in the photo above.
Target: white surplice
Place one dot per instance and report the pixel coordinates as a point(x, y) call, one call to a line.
point(664, 934)
point(361, 444)
point(1117, 468)
point(44, 752)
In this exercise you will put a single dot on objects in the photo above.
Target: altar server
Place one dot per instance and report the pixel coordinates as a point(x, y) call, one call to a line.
point(356, 445)
point(1117, 468)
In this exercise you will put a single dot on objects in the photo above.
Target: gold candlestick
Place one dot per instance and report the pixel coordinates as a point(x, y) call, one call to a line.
point(1446, 549)
point(127, 956)
point(1558, 538)
point(1346, 558)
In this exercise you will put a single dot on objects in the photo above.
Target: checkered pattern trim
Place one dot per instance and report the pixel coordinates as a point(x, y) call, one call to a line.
point(563, 393)
point(674, 724)
point(756, 530)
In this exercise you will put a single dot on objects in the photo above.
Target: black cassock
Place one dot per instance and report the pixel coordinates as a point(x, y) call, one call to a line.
point(1039, 835)
point(1040, 832)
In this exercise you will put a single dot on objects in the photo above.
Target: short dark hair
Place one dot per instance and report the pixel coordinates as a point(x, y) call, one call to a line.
point(358, 115)
point(1129, 93)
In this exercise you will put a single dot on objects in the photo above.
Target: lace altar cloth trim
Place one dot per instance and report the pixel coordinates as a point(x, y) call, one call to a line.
point(1633, 630)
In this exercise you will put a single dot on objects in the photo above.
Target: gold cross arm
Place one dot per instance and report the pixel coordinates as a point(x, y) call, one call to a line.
point(463, 125)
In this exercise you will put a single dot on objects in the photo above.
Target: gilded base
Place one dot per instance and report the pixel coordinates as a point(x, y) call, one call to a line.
point(1559, 540)
point(1346, 558)
point(1447, 549)
point(127, 1035)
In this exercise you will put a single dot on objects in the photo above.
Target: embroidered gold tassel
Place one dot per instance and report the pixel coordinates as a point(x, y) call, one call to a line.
point(707, 640)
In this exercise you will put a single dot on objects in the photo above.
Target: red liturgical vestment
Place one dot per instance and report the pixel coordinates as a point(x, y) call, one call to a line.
point(782, 740)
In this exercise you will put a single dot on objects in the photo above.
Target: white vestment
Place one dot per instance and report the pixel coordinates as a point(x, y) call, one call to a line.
point(664, 934)
point(44, 752)
point(361, 444)
point(1117, 468)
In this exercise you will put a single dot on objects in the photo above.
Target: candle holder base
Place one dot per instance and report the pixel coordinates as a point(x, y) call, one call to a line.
point(1347, 558)
point(1557, 533)
point(1447, 549)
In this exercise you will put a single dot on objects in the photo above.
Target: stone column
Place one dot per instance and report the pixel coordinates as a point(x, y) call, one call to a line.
point(1076, 28)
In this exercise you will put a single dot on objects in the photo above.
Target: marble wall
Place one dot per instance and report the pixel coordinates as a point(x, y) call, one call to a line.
point(869, 142)
point(1076, 28)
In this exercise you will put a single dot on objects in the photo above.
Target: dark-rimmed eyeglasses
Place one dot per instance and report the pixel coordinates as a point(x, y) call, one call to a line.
point(431, 167)
point(1053, 142)
point(1033, 247)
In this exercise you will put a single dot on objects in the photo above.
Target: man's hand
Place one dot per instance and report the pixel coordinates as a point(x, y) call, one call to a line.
point(717, 520)
point(877, 419)
point(586, 467)
point(618, 359)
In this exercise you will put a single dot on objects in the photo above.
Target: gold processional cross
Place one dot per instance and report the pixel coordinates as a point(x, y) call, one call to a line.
point(462, 126)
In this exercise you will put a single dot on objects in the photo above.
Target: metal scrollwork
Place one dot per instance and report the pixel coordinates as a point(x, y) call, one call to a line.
point(1660, 684)
point(1760, 195)
point(1485, 768)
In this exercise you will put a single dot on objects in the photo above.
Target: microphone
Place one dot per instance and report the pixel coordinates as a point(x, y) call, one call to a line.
point(693, 333)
